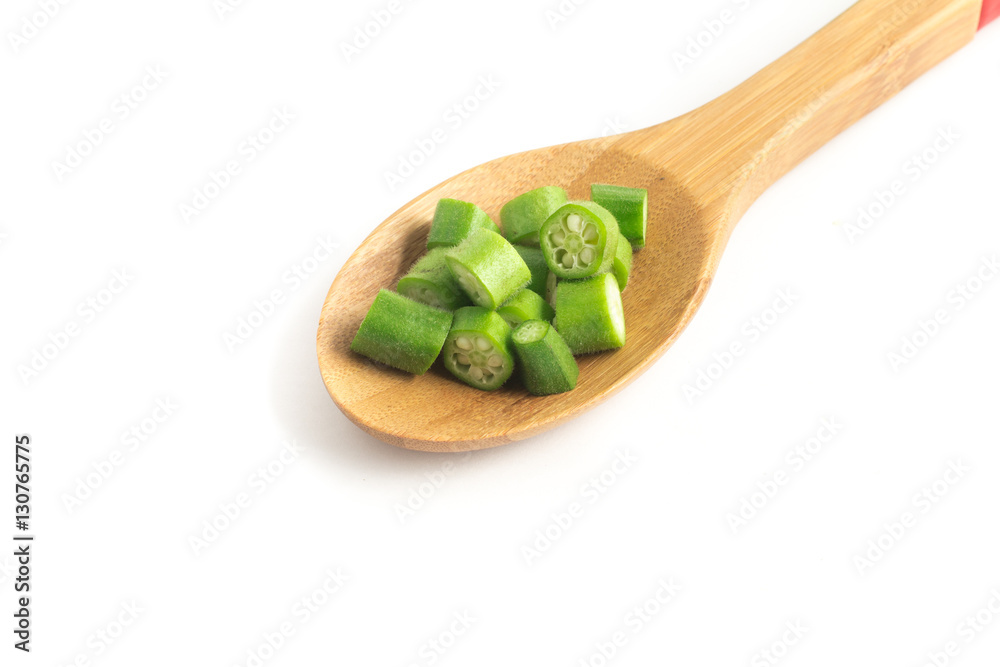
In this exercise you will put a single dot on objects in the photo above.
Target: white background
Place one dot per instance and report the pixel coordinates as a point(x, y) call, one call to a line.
point(608, 67)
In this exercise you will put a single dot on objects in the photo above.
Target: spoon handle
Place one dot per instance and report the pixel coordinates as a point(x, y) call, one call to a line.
point(742, 142)
point(991, 10)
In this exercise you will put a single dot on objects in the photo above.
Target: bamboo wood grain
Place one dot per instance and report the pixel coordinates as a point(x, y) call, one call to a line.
point(703, 170)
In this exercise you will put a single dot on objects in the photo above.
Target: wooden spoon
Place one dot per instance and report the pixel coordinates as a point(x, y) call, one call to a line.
point(703, 170)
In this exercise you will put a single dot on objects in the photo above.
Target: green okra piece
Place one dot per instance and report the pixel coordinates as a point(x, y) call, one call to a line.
point(430, 281)
point(402, 333)
point(487, 268)
point(628, 205)
point(622, 266)
point(579, 240)
point(525, 305)
point(522, 216)
point(589, 314)
point(535, 260)
point(454, 220)
point(478, 350)
point(546, 362)
point(550, 289)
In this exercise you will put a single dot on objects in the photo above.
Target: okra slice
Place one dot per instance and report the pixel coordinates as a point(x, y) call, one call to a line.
point(522, 216)
point(430, 281)
point(478, 349)
point(454, 220)
point(535, 260)
point(579, 240)
point(402, 333)
point(525, 305)
point(487, 268)
point(589, 314)
point(550, 289)
point(623, 263)
point(546, 362)
point(628, 205)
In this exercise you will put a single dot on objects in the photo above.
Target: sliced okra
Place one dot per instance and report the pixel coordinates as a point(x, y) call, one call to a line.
point(550, 289)
point(522, 216)
point(430, 281)
point(478, 349)
point(487, 268)
point(628, 205)
point(623, 263)
point(535, 260)
point(579, 240)
point(454, 220)
point(402, 333)
point(525, 305)
point(589, 314)
point(546, 362)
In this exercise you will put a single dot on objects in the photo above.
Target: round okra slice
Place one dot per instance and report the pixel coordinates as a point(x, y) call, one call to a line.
point(522, 216)
point(589, 314)
point(487, 268)
point(478, 349)
point(628, 205)
point(546, 362)
point(579, 240)
point(622, 266)
point(454, 220)
point(525, 305)
point(430, 281)
point(402, 333)
point(535, 260)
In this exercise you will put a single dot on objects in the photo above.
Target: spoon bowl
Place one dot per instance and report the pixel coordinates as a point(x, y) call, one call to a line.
point(702, 170)
point(437, 413)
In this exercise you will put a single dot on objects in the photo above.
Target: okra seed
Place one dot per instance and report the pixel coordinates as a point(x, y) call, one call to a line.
point(587, 255)
point(483, 344)
point(462, 359)
point(463, 343)
point(574, 222)
point(495, 361)
point(476, 372)
point(590, 234)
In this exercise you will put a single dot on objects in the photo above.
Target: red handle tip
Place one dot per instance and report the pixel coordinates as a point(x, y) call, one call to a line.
point(991, 10)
